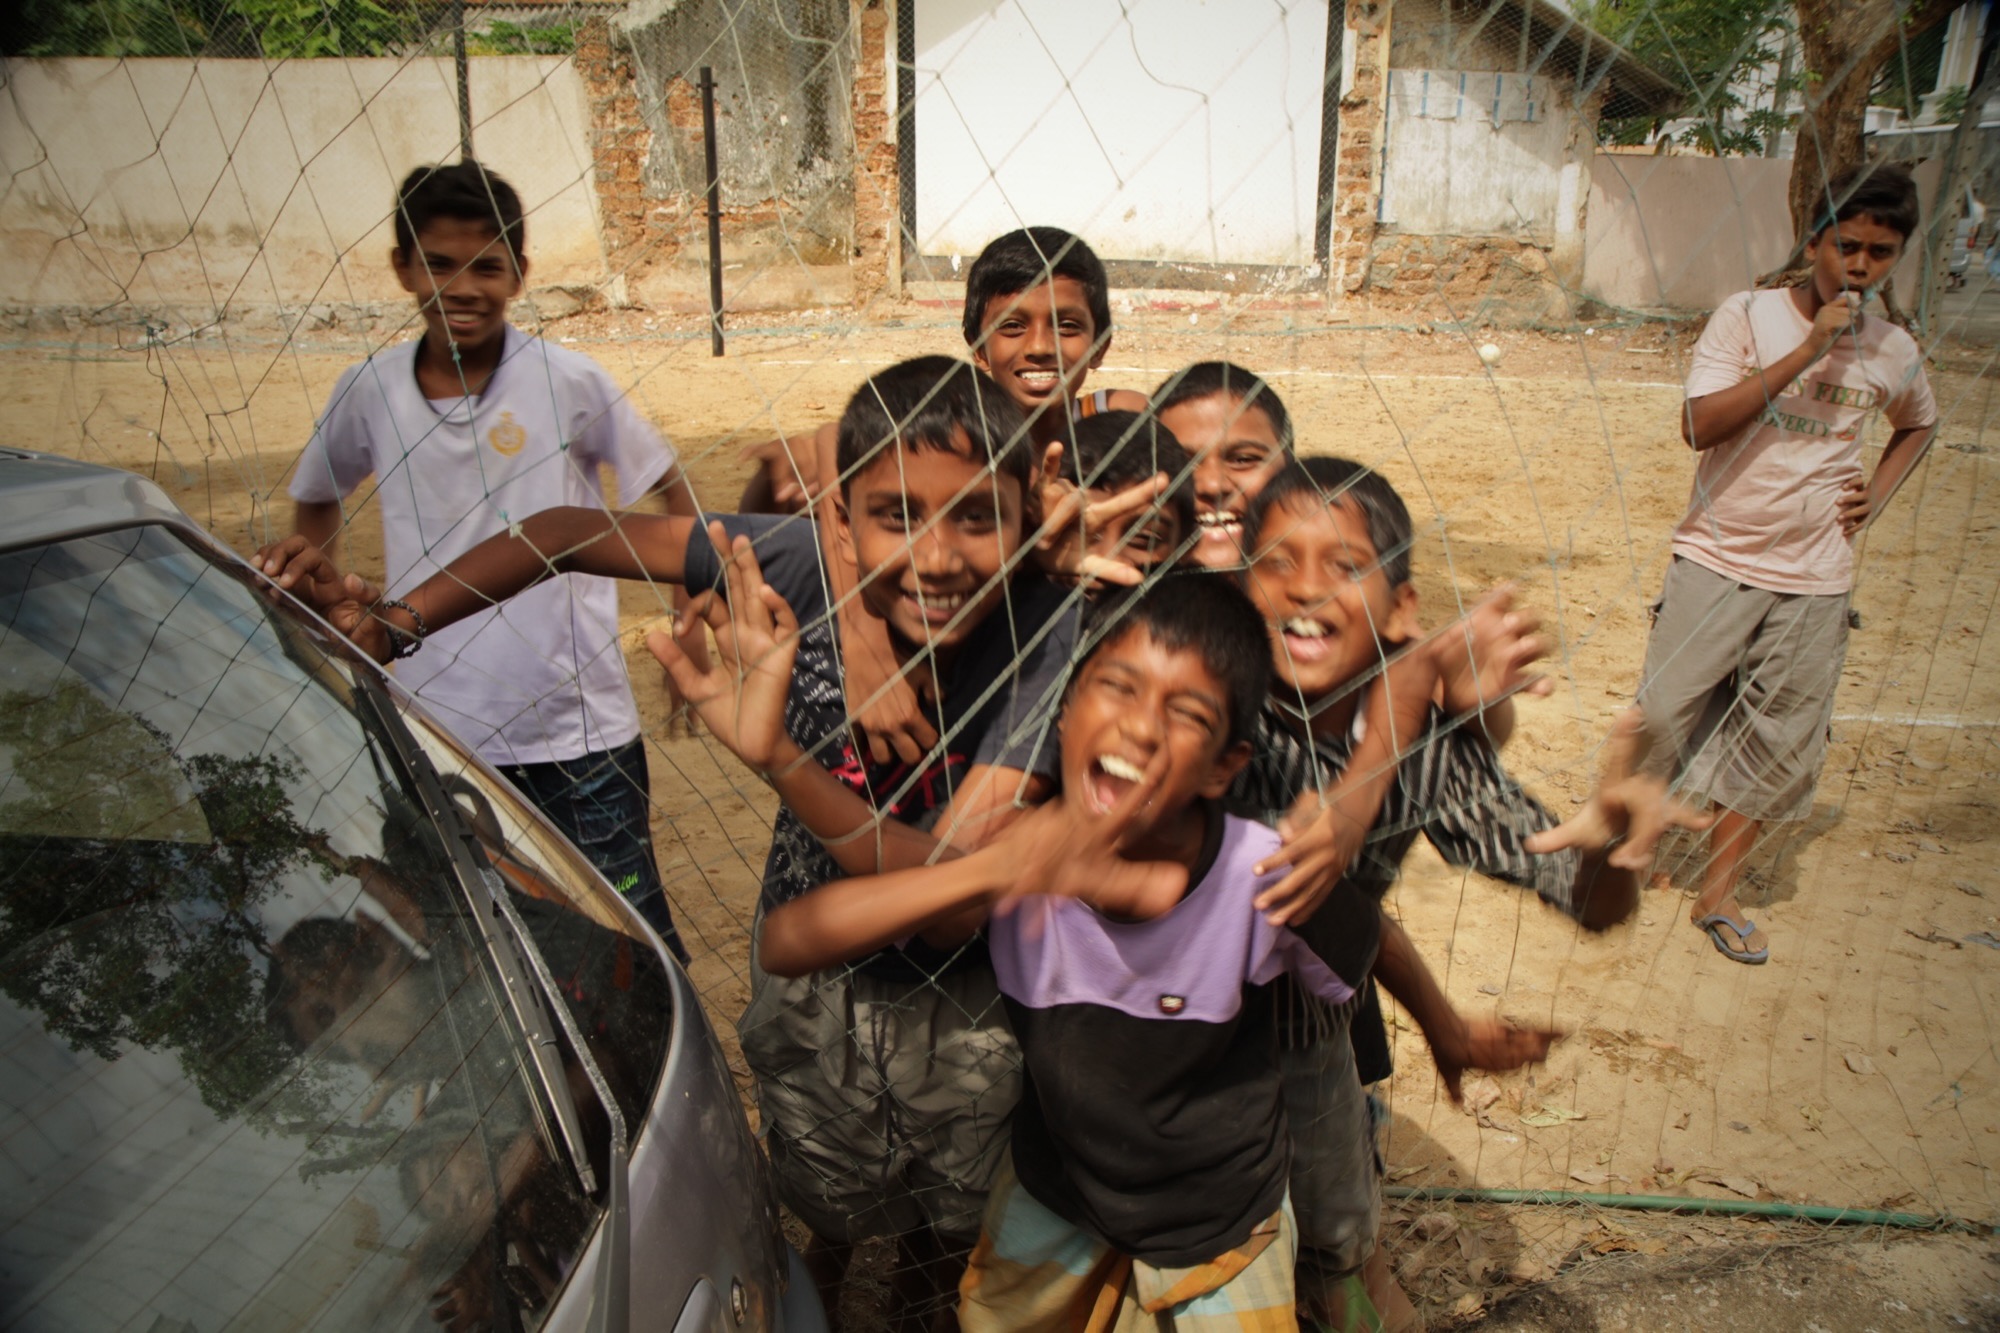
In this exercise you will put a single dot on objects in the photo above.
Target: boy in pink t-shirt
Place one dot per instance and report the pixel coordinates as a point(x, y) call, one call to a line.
point(1751, 630)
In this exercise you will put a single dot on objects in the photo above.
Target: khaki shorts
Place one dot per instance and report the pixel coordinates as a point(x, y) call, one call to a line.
point(884, 1103)
point(1738, 689)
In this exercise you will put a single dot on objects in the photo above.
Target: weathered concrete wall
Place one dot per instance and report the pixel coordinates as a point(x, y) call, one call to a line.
point(1475, 153)
point(184, 189)
point(1681, 233)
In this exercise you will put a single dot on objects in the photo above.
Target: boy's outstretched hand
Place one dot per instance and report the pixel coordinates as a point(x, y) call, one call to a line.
point(1062, 850)
point(344, 601)
point(1490, 1045)
point(741, 696)
point(1627, 805)
point(1483, 657)
point(1317, 841)
point(1062, 546)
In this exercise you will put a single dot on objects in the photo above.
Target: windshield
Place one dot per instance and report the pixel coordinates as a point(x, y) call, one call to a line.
point(260, 1070)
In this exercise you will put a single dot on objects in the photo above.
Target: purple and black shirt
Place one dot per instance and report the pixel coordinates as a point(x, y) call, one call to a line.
point(1152, 1114)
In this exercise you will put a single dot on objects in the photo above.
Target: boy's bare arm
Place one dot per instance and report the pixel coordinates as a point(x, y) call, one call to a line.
point(318, 521)
point(852, 918)
point(1457, 1043)
point(1717, 418)
point(1326, 830)
point(1618, 826)
point(567, 540)
point(1861, 501)
point(1053, 850)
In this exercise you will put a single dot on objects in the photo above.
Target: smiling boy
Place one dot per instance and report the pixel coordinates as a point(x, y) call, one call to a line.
point(474, 425)
point(1750, 632)
point(1237, 434)
point(1331, 579)
point(884, 1087)
point(1148, 1169)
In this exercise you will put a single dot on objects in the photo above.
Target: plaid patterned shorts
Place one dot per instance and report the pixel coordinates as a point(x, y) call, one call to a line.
point(1034, 1271)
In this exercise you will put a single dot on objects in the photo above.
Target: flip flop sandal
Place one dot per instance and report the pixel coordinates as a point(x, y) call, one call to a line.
point(1742, 933)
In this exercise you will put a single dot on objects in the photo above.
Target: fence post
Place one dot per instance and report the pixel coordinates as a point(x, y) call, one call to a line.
point(464, 72)
point(714, 213)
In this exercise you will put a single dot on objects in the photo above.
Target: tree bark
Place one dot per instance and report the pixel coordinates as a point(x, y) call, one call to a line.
point(1843, 45)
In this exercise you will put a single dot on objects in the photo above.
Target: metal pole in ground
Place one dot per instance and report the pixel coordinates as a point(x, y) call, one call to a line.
point(464, 78)
point(714, 213)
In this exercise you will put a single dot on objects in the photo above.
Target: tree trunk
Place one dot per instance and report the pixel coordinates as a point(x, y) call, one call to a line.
point(1843, 45)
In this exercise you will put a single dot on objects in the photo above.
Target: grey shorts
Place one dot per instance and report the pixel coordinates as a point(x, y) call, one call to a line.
point(884, 1103)
point(1336, 1182)
point(1738, 689)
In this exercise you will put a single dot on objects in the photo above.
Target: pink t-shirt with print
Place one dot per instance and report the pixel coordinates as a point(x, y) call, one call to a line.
point(1764, 509)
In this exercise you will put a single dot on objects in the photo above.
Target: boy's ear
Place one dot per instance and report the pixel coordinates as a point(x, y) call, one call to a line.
point(843, 532)
point(1403, 624)
point(1097, 357)
point(1224, 770)
point(520, 274)
point(400, 262)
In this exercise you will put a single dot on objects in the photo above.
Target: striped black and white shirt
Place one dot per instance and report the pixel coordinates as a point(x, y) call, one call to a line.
point(1450, 788)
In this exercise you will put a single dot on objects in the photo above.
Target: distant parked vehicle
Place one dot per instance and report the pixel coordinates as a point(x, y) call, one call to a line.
point(308, 1020)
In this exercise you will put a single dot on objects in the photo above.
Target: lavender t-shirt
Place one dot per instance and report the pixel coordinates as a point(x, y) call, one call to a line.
point(1152, 1116)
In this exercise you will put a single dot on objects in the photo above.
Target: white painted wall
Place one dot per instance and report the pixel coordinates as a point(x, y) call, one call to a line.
point(1474, 153)
point(1159, 129)
point(190, 185)
point(1682, 232)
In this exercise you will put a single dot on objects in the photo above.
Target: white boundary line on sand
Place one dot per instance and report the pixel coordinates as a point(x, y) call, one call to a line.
point(1917, 720)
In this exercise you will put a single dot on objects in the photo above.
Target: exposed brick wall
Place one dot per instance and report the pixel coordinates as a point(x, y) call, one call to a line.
point(1357, 173)
point(877, 205)
point(620, 143)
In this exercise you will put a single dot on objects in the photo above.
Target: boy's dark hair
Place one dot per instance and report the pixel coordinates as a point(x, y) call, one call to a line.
point(1116, 450)
point(465, 191)
point(1199, 612)
point(1881, 191)
point(1205, 379)
point(306, 967)
point(1028, 258)
point(924, 403)
point(1327, 481)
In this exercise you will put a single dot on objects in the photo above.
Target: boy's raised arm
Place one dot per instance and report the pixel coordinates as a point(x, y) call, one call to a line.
point(1054, 850)
point(568, 540)
point(1717, 418)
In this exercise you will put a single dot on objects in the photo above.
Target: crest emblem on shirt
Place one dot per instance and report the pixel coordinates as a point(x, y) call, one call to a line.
point(1172, 1004)
point(507, 436)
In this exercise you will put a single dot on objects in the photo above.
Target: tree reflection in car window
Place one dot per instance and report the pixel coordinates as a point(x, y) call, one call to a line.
point(273, 1079)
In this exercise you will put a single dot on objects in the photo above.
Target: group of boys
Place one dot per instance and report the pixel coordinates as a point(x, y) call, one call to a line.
point(1064, 965)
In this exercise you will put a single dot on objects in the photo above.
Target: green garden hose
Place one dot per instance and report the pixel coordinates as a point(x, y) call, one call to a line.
point(1671, 1203)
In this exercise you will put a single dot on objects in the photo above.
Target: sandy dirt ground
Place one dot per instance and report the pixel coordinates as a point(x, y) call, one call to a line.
point(1856, 1069)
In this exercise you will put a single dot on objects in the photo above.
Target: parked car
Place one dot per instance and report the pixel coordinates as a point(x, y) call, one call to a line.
point(309, 1020)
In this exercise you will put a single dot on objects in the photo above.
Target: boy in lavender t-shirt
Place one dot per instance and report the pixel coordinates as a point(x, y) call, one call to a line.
point(1751, 630)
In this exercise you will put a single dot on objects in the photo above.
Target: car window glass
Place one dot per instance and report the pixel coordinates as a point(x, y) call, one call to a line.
point(258, 1070)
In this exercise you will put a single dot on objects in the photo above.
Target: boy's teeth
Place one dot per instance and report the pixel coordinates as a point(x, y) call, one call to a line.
point(1302, 628)
point(1217, 520)
point(1119, 767)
